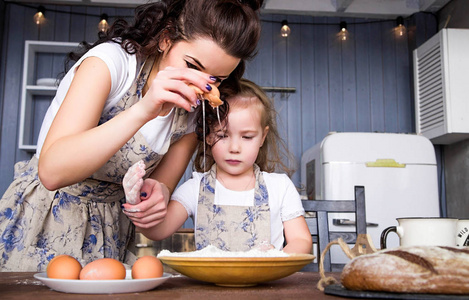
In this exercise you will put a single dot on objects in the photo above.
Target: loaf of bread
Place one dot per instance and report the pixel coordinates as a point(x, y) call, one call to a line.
point(417, 269)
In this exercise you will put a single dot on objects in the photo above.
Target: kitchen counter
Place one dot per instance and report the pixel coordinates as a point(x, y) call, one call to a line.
point(301, 285)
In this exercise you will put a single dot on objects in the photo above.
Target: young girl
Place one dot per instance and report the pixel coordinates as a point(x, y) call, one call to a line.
point(236, 204)
point(127, 98)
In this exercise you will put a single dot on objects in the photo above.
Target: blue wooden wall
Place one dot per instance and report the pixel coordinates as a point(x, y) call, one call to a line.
point(363, 84)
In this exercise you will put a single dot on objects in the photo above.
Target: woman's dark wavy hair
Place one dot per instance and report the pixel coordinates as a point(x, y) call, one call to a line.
point(233, 24)
point(273, 155)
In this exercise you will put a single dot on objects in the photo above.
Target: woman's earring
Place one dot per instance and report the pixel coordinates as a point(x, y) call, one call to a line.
point(159, 50)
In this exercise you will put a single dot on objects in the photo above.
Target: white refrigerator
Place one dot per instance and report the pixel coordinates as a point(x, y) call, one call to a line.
point(398, 171)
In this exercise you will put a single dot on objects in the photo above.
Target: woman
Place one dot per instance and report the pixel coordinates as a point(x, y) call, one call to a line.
point(126, 99)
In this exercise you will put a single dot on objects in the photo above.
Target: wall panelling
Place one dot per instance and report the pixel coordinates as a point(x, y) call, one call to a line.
point(362, 84)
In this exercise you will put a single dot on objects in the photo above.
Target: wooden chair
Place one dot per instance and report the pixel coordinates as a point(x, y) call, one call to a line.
point(320, 229)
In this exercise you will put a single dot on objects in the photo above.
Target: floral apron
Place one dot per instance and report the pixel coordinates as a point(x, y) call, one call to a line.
point(232, 228)
point(83, 220)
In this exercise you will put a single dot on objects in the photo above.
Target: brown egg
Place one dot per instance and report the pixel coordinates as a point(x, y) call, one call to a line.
point(147, 267)
point(103, 269)
point(63, 267)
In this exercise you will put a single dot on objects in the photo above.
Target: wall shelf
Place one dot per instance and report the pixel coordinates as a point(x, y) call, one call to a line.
point(40, 58)
point(275, 89)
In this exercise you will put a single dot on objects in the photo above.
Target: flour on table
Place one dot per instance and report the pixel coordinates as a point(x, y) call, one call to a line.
point(212, 251)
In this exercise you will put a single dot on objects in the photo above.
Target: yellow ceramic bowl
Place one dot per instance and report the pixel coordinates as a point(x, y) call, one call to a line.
point(237, 271)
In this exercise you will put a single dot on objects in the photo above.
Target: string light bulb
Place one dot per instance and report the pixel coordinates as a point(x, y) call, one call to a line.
point(39, 17)
point(103, 24)
point(343, 33)
point(400, 28)
point(285, 30)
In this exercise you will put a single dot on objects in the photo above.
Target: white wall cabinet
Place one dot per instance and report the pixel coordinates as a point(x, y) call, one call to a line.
point(43, 62)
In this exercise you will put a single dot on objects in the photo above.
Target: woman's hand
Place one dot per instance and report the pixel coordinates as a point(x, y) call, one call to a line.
point(153, 208)
point(170, 88)
point(146, 199)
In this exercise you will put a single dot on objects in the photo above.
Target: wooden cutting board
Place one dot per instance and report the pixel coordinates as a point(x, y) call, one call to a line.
point(339, 290)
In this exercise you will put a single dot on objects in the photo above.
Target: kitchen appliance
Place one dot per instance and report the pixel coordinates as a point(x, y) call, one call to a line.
point(398, 171)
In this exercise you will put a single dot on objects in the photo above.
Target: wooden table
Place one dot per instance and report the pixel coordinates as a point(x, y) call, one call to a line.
point(301, 285)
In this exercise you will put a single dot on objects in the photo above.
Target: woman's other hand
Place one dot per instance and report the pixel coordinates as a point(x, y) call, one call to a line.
point(133, 182)
point(153, 208)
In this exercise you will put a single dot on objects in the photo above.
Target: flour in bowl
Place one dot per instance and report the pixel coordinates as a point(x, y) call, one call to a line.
point(212, 251)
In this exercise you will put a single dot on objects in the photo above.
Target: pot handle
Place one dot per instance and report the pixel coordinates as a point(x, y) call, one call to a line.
point(384, 235)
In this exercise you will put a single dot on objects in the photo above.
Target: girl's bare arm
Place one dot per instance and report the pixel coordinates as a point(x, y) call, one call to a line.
point(175, 217)
point(297, 236)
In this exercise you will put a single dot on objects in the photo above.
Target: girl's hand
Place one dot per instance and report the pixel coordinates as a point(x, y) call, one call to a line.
point(265, 246)
point(133, 182)
point(153, 208)
point(170, 88)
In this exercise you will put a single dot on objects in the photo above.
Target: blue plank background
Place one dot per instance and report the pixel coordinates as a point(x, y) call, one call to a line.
point(362, 84)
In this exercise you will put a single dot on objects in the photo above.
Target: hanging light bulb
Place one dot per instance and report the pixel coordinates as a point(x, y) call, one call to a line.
point(103, 25)
point(39, 16)
point(285, 30)
point(400, 28)
point(343, 33)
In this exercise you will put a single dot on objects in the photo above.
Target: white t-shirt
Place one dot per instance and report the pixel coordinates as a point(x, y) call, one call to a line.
point(284, 200)
point(123, 69)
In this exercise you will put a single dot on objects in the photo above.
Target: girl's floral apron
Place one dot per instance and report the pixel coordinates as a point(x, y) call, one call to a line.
point(83, 220)
point(232, 228)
